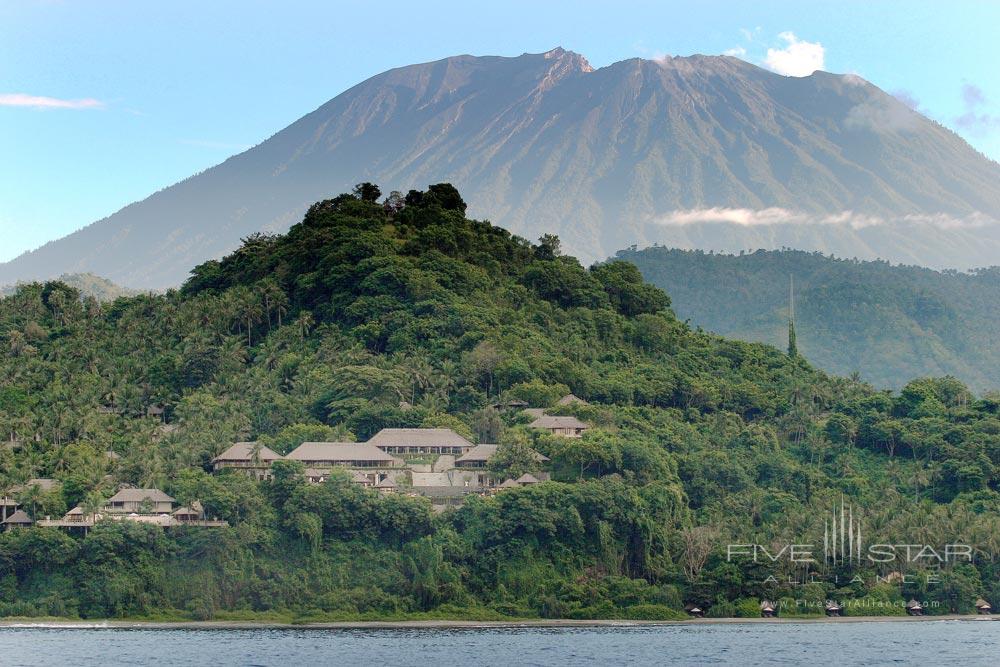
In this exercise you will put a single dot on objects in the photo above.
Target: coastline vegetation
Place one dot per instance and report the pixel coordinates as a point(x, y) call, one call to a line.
point(369, 304)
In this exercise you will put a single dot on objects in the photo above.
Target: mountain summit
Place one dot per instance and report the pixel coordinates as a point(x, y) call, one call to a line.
point(699, 151)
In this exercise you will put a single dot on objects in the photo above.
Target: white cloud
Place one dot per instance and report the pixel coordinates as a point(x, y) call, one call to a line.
point(41, 102)
point(883, 113)
point(975, 120)
point(798, 58)
point(746, 217)
point(735, 52)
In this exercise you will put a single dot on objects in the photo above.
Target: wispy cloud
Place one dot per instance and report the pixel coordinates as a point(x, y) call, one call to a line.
point(907, 98)
point(797, 58)
point(975, 119)
point(735, 52)
point(746, 217)
point(42, 102)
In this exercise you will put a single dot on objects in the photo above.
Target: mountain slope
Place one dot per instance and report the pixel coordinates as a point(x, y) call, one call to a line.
point(701, 151)
point(87, 284)
point(888, 323)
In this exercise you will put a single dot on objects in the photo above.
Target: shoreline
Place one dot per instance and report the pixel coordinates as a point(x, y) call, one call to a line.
point(116, 624)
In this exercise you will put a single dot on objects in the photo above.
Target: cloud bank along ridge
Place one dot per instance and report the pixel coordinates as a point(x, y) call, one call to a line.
point(746, 217)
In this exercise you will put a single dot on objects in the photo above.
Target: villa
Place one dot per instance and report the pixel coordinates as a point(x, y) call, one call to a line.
point(413, 441)
point(571, 399)
point(567, 427)
point(476, 457)
point(7, 507)
point(18, 519)
point(343, 454)
point(250, 457)
point(140, 501)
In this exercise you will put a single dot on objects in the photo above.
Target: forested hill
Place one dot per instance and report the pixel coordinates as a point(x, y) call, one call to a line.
point(402, 312)
point(87, 284)
point(890, 323)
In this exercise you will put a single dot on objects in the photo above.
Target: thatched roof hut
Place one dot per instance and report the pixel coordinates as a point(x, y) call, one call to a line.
point(571, 399)
point(983, 607)
point(18, 519)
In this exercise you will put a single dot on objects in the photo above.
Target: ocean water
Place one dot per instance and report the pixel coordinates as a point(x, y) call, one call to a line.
point(841, 644)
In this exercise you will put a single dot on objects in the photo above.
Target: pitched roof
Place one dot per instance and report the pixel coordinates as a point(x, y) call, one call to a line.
point(138, 495)
point(338, 451)
point(527, 478)
point(551, 421)
point(386, 484)
point(19, 517)
point(43, 483)
point(982, 603)
point(186, 511)
point(418, 437)
point(478, 453)
point(509, 484)
point(76, 510)
point(243, 451)
point(570, 399)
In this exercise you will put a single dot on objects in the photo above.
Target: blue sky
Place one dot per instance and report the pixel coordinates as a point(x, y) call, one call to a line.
point(103, 102)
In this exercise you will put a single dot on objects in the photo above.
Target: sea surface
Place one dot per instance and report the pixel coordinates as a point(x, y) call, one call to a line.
point(842, 644)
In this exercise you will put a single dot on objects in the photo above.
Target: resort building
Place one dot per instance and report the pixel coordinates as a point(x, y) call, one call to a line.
point(512, 404)
point(571, 399)
point(18, 519)
point(189, 514)
point(983, 607)
point(139, 501)
point(75, 518)
point(415, 441)
point(476, 457)
point(7, 507)
point(567, 427)
point(343, 454)
point(250, 457)
point(386, 486)
point(193, 515)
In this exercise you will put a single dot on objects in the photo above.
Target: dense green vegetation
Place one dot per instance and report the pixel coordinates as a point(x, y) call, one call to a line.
point(889, 323)
point(698, 441)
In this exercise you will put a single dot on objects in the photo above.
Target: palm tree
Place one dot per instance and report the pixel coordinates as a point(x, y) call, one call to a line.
point(305, 323)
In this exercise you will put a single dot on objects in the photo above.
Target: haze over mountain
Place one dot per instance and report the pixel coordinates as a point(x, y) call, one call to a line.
point(889, 323)
point(700, 151)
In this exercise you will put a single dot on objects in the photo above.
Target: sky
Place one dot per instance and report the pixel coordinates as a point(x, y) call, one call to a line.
point(103, 102)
